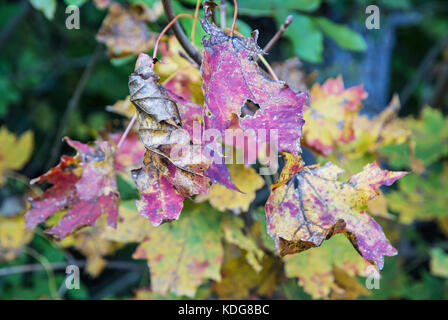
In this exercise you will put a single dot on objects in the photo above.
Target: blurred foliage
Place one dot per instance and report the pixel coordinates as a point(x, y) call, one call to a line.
point(40, 67)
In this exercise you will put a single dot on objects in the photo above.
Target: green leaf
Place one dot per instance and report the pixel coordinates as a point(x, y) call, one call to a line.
point(303, 5)
point(48, 7)
point(396, 4)
point(77, 3)
point(306, 39)
point(256, 8)
point(343, 36)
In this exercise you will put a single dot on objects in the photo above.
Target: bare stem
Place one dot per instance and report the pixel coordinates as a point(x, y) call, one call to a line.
point(222, 10)
point(278, 34)
point(196, 12)
point(126, 132)
point(180, 35)
point(182, 15)
point(266, 64)
point(235, 14)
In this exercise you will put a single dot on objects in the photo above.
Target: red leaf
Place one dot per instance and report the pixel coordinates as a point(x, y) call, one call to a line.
point(84, 184)
point(231, 79)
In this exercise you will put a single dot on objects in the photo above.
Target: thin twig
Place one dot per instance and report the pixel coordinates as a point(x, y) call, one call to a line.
point(235, 14)
point(72, 105)
point(45, 264)
point(278, 34)
point(126, 132)
point(179, 33)
point(222, 10)
point(121, 265)
point(169, 25)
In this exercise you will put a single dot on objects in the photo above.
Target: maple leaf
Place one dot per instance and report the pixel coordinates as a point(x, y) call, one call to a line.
point(231, 80)
point(13, 236)
point(124, 32)
point(182, 255)
point(85, 184)
point(165, 180)
point(329, 118)
point(315, 268)
point(15, 151)
point(223, 198)
point(312, 206)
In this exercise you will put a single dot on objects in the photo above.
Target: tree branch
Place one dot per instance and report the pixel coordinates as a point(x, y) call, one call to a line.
point(180, 34)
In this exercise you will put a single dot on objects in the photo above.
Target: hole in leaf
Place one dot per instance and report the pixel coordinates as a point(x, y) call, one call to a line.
point(249, 108)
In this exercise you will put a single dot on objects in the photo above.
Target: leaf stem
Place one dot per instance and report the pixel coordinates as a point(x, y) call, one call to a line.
point(156, 46)
point(196, 12)
point(235, 14)
point(222, 10)
point(266, 64)
point(126, 132)
point(179, 33)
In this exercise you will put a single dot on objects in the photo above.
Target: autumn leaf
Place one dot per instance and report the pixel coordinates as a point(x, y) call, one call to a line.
point(84, 184)
point(182, 255)
point(232, 80)
point(313, 206)
point(124, 32)
point(167, 177)
point(428, 142)
point(239, 281)
point(13, 236)
point(330, 116)
point(316, 268)
point(15, 151)
point(131, 226)
point(370, 134)
point(223, 198)
point(421, 197)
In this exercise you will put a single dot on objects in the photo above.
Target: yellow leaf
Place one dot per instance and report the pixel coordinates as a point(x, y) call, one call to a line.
point(246, 179)
point(314, 268)
point(131, 226)
point(14, 152)
point(13, 236)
